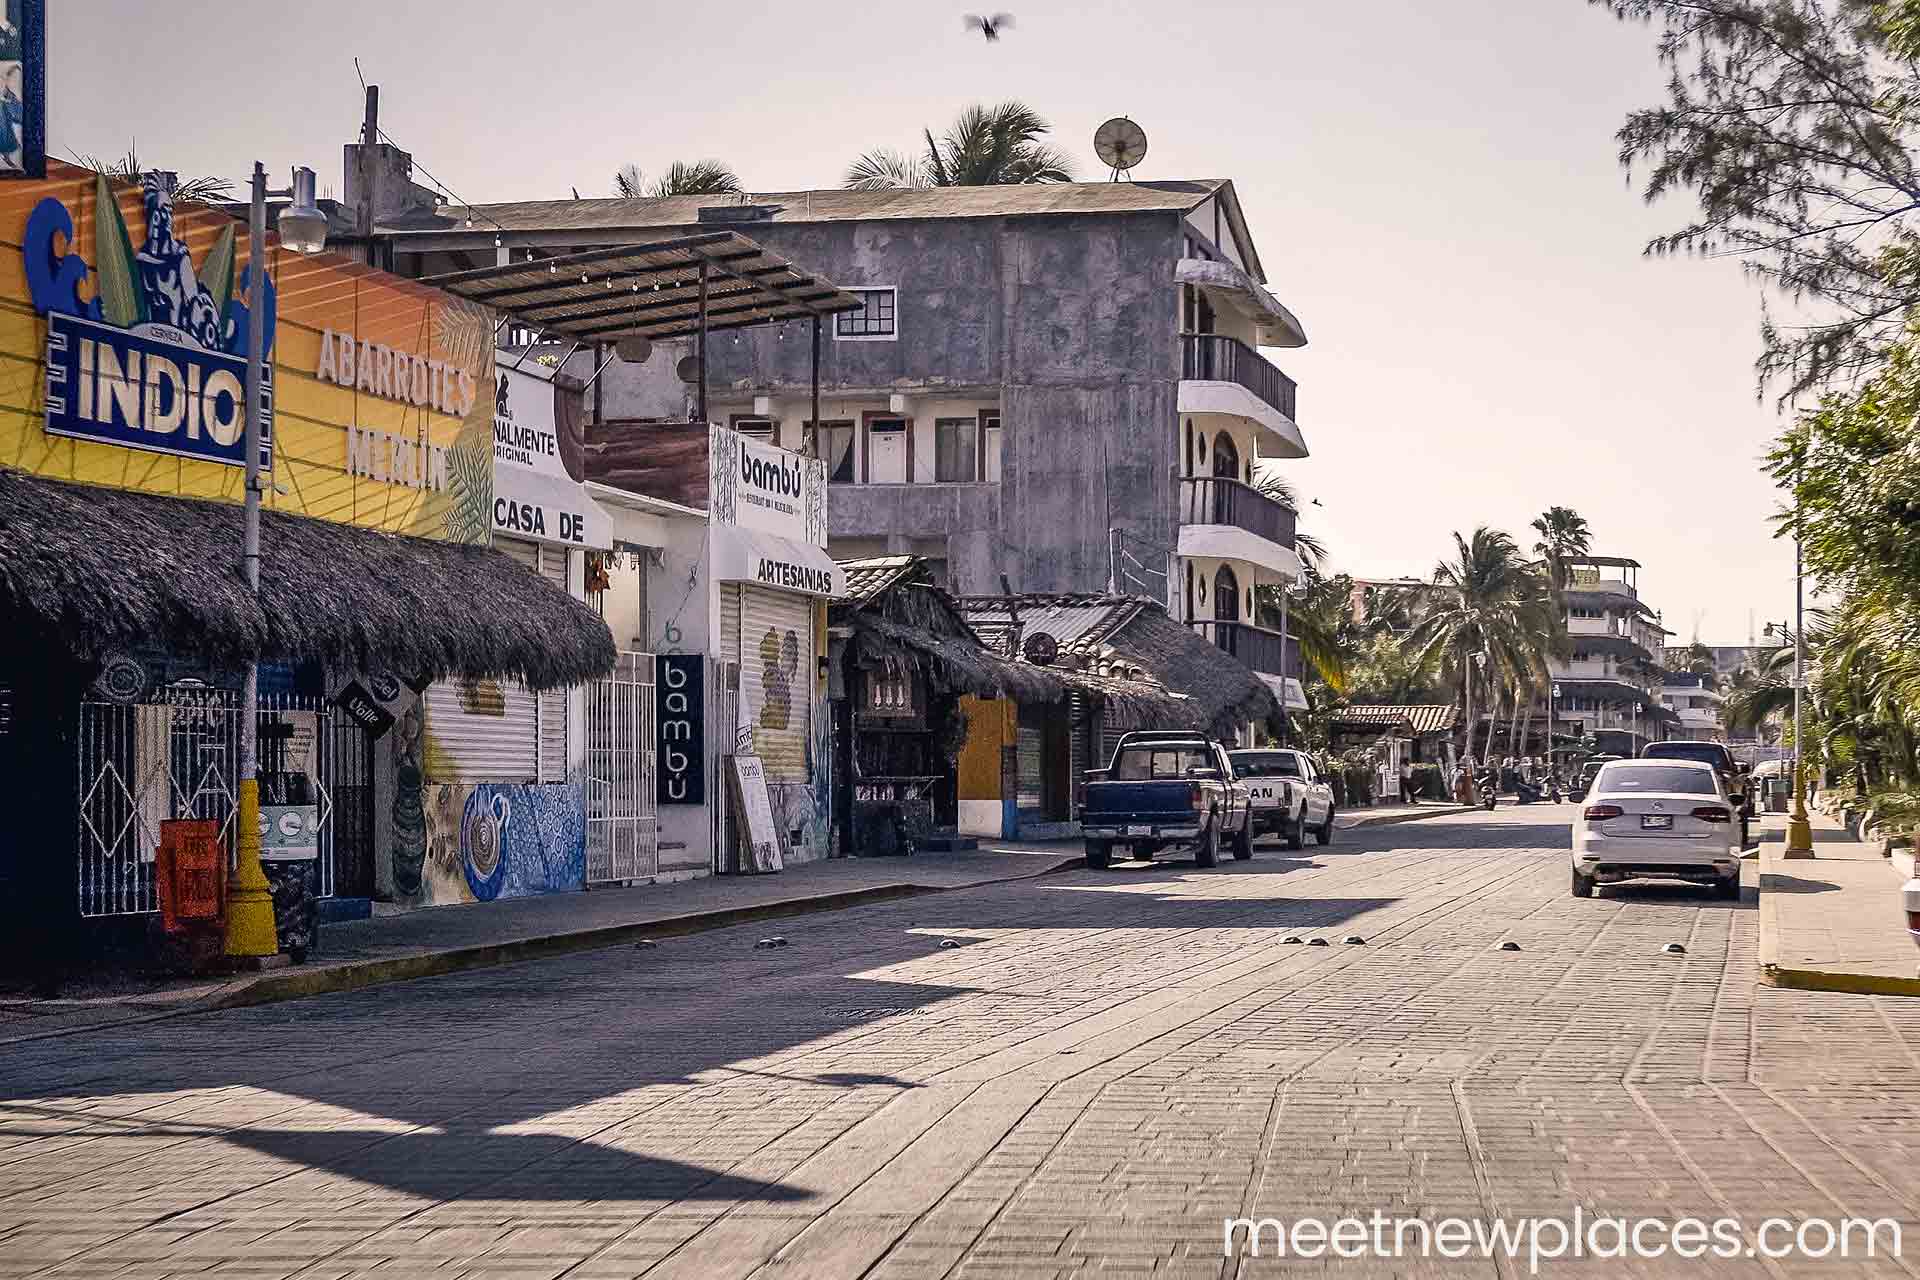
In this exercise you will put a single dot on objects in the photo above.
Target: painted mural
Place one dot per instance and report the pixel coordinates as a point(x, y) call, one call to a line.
point(485, 841)
point(123, 333)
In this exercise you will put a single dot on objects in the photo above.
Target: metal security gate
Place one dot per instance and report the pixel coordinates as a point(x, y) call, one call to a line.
point(175, 755)
point(623, 829)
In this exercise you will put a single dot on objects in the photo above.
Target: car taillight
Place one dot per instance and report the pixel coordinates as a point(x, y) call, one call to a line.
point(1601, 812)
point(1713, 813)
point(1196, 797)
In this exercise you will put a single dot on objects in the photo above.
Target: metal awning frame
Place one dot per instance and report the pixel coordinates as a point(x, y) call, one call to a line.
point(671, 289)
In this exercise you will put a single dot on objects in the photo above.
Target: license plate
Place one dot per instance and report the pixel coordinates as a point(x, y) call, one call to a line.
point(1139, 831)
point(1656, 821)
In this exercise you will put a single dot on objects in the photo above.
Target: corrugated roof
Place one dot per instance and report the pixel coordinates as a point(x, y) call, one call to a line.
point(829, 205)
point(868, 577)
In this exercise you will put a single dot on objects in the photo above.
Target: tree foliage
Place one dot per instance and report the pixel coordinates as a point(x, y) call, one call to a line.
point(682, 178)
point(1790, 125)
point(985, 146)
point(130, 168)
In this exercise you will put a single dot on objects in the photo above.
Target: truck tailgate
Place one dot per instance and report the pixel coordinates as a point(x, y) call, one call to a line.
point(1114, 803)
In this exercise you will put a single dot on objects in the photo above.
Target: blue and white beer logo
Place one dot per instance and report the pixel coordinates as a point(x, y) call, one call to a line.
point(155, 358)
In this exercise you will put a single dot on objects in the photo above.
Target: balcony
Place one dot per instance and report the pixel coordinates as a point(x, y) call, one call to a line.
point(1214, 357)
point(1257, 648)
point(1224, 501)
point(1225, 519)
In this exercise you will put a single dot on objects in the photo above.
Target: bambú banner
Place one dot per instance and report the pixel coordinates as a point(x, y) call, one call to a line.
point(123, 347)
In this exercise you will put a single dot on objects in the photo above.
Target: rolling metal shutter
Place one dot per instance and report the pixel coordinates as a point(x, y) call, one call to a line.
point(484, 730)
point(777, 677)
point(551, 707)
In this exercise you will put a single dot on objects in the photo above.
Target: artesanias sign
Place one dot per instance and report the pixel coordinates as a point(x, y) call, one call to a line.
point(534, 495)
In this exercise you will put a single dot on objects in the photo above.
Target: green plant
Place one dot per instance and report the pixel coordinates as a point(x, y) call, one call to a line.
point(985, 146)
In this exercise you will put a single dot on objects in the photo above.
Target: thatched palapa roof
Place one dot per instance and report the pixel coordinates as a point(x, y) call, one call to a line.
point(92, 570)
point(1152, 670)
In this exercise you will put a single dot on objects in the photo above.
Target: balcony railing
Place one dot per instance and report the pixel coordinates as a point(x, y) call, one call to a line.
point(1214, 357)
point(1220, 500)
point(1256, 647)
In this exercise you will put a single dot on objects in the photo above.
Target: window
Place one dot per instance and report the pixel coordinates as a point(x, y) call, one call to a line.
point(874, 320)
point(836, 449)
point(956, 449)
point(990, 447)
point(764, 430)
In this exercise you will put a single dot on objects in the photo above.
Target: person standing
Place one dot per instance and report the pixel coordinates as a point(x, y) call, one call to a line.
point(1408, 793)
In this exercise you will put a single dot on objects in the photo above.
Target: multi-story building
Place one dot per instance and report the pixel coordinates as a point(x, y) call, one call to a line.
point(1610, 684)
point(1690, 695)
point(1054, 388)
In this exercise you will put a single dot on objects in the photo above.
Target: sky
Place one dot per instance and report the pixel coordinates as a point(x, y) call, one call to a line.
point(1433, 190)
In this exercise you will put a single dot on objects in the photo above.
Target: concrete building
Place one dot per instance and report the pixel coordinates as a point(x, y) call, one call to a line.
point(1693, 699)
point(1610, 686)
point(1057, 388)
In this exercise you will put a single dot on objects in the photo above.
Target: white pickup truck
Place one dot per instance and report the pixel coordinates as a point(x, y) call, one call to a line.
point(1289, 794)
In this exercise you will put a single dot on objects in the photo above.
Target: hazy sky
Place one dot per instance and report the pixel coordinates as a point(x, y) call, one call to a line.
point(1432, 188)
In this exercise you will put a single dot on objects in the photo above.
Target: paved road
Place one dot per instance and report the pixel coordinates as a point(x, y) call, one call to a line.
point(1104, 1068)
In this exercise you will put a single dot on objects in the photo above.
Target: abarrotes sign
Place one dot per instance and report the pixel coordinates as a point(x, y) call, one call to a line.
point(156, 357)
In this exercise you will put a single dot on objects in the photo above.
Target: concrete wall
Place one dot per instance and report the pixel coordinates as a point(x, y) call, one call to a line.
point(1068, 323)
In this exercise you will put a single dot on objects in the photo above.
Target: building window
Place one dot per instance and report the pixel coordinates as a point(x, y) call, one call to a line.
point(956, 450)
point(836, 448)
point(875, 319)
point(764, 430)
point(990, 447)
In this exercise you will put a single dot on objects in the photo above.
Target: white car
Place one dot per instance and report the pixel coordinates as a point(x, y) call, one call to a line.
point(1911, 892)
point(1289, 794)
point(1657, 819)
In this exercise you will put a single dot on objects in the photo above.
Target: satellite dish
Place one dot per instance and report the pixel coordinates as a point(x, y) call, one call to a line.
point(688, 369)
point(634, 350)
point(1120, 144)
point(1040, 649)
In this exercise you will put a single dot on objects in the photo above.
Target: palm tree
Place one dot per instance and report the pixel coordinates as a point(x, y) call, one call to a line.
point(1563, 534)
point(985, 146)
point(1483, 616)
point(682, 178)
point(1313, 552)
point(128, 168)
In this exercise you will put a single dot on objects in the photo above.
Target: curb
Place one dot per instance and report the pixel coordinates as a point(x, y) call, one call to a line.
point(1386, 819)
point(296, 984)
point(1775, 974)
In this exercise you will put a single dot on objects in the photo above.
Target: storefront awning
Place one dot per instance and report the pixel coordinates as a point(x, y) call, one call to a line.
point(768, 560)
point(1287, 689)
point(91, 570)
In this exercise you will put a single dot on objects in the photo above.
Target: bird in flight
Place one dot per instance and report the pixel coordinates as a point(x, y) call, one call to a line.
point(988, 27)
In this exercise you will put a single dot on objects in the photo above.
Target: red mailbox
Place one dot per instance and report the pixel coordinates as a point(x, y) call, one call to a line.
point(192, 874)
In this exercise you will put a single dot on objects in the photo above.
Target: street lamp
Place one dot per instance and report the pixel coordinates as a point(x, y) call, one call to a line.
point(303, 228)
point(1553, 714)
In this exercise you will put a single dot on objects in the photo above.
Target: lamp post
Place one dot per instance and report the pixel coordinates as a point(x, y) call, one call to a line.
point(303, 228)
point(1553, 714)
point(1799, 829)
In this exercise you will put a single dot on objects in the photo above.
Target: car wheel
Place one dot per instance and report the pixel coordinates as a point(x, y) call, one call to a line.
point(1324, 835)
point(1207, 852)
point(1099, 853)
point(1243, 843)
point(1728, 887)
point(1296, 831)
point(1582, 885)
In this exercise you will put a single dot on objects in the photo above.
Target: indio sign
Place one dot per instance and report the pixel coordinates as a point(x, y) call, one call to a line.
point(125, 366)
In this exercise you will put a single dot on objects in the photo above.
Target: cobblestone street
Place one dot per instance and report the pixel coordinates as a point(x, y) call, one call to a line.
point(1080, 1074)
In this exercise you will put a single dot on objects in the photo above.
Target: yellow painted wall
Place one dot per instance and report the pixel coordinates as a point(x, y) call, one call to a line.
point(991, 725)
point(311, 418)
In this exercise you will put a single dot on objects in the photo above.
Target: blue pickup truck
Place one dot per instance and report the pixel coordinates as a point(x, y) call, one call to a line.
point(1166, 789)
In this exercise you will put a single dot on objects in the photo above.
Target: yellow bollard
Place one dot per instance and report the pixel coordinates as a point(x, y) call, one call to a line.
point(250, 928)
point(1799, 829)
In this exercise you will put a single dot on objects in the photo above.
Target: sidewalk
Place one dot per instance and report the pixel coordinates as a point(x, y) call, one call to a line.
point(1374, 815)
point(436, 940)
point(1834, 922)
